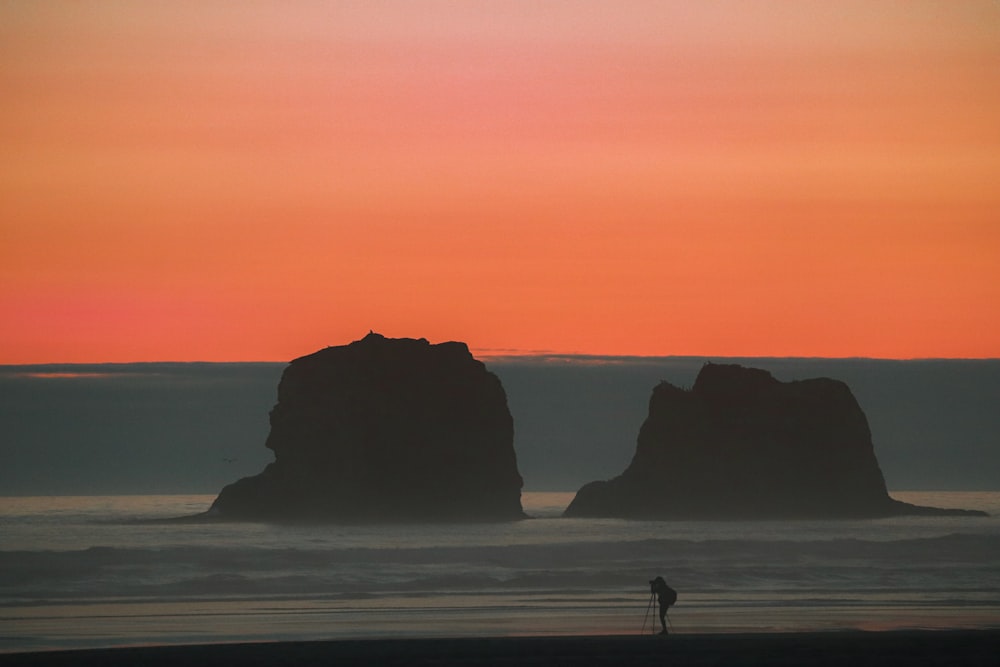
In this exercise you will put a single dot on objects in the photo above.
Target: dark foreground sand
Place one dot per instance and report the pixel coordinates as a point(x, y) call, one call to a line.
point(854, 649)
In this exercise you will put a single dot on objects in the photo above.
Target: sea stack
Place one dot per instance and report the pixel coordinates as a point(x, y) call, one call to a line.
point(385, 429)
point(742, 445)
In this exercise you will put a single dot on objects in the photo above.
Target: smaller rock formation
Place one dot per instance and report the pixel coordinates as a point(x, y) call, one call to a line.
point(385, 430)
point(742, 445)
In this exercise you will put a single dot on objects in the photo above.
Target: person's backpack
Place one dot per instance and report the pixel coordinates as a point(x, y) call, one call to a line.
point(667, 595)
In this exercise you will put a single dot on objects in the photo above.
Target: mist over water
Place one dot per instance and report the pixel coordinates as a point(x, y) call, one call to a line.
point(193, 428)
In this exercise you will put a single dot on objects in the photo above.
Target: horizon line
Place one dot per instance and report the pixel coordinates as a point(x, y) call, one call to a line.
point(512, 355)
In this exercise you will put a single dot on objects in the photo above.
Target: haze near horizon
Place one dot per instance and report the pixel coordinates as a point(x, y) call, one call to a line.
point(192, 428)
point(219, 182)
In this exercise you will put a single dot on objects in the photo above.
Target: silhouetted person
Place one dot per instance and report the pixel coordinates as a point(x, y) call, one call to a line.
point(665, 596)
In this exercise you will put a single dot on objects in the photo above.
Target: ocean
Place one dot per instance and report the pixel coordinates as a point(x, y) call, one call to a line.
point(93, 571)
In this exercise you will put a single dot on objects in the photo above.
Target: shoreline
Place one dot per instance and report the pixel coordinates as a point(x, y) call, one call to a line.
point(858, 648)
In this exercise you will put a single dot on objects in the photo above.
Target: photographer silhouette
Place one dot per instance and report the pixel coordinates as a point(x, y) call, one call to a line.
point(665, 597)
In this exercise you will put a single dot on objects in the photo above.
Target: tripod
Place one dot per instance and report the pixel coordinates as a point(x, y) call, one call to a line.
point(652, 603)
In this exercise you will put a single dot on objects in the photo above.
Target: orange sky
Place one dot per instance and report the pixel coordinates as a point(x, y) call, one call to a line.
point(244, 181)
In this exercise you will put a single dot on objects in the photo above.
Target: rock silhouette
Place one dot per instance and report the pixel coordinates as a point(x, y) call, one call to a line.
point(742, 445)
point(385, 430)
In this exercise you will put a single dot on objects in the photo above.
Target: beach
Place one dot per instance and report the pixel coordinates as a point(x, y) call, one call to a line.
point(98, 573)
point(904, 648)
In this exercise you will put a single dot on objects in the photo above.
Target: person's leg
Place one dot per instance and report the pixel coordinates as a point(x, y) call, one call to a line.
point(663, 620)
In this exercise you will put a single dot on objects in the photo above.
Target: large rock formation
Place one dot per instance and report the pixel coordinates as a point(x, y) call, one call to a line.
point(741, 444)
point(385, 430)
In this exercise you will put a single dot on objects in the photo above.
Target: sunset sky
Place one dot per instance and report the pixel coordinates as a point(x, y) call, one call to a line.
point(255, 180)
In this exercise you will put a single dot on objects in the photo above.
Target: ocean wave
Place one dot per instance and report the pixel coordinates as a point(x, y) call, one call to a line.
point(953, 547)
point(959, 563)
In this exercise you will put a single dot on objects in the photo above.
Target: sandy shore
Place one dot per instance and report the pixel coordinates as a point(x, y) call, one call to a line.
point(856, 649)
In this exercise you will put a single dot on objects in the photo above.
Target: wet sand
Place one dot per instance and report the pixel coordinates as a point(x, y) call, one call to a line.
point(853, 648)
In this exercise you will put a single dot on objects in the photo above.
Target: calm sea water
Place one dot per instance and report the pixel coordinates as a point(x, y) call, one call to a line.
point(100, 571)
